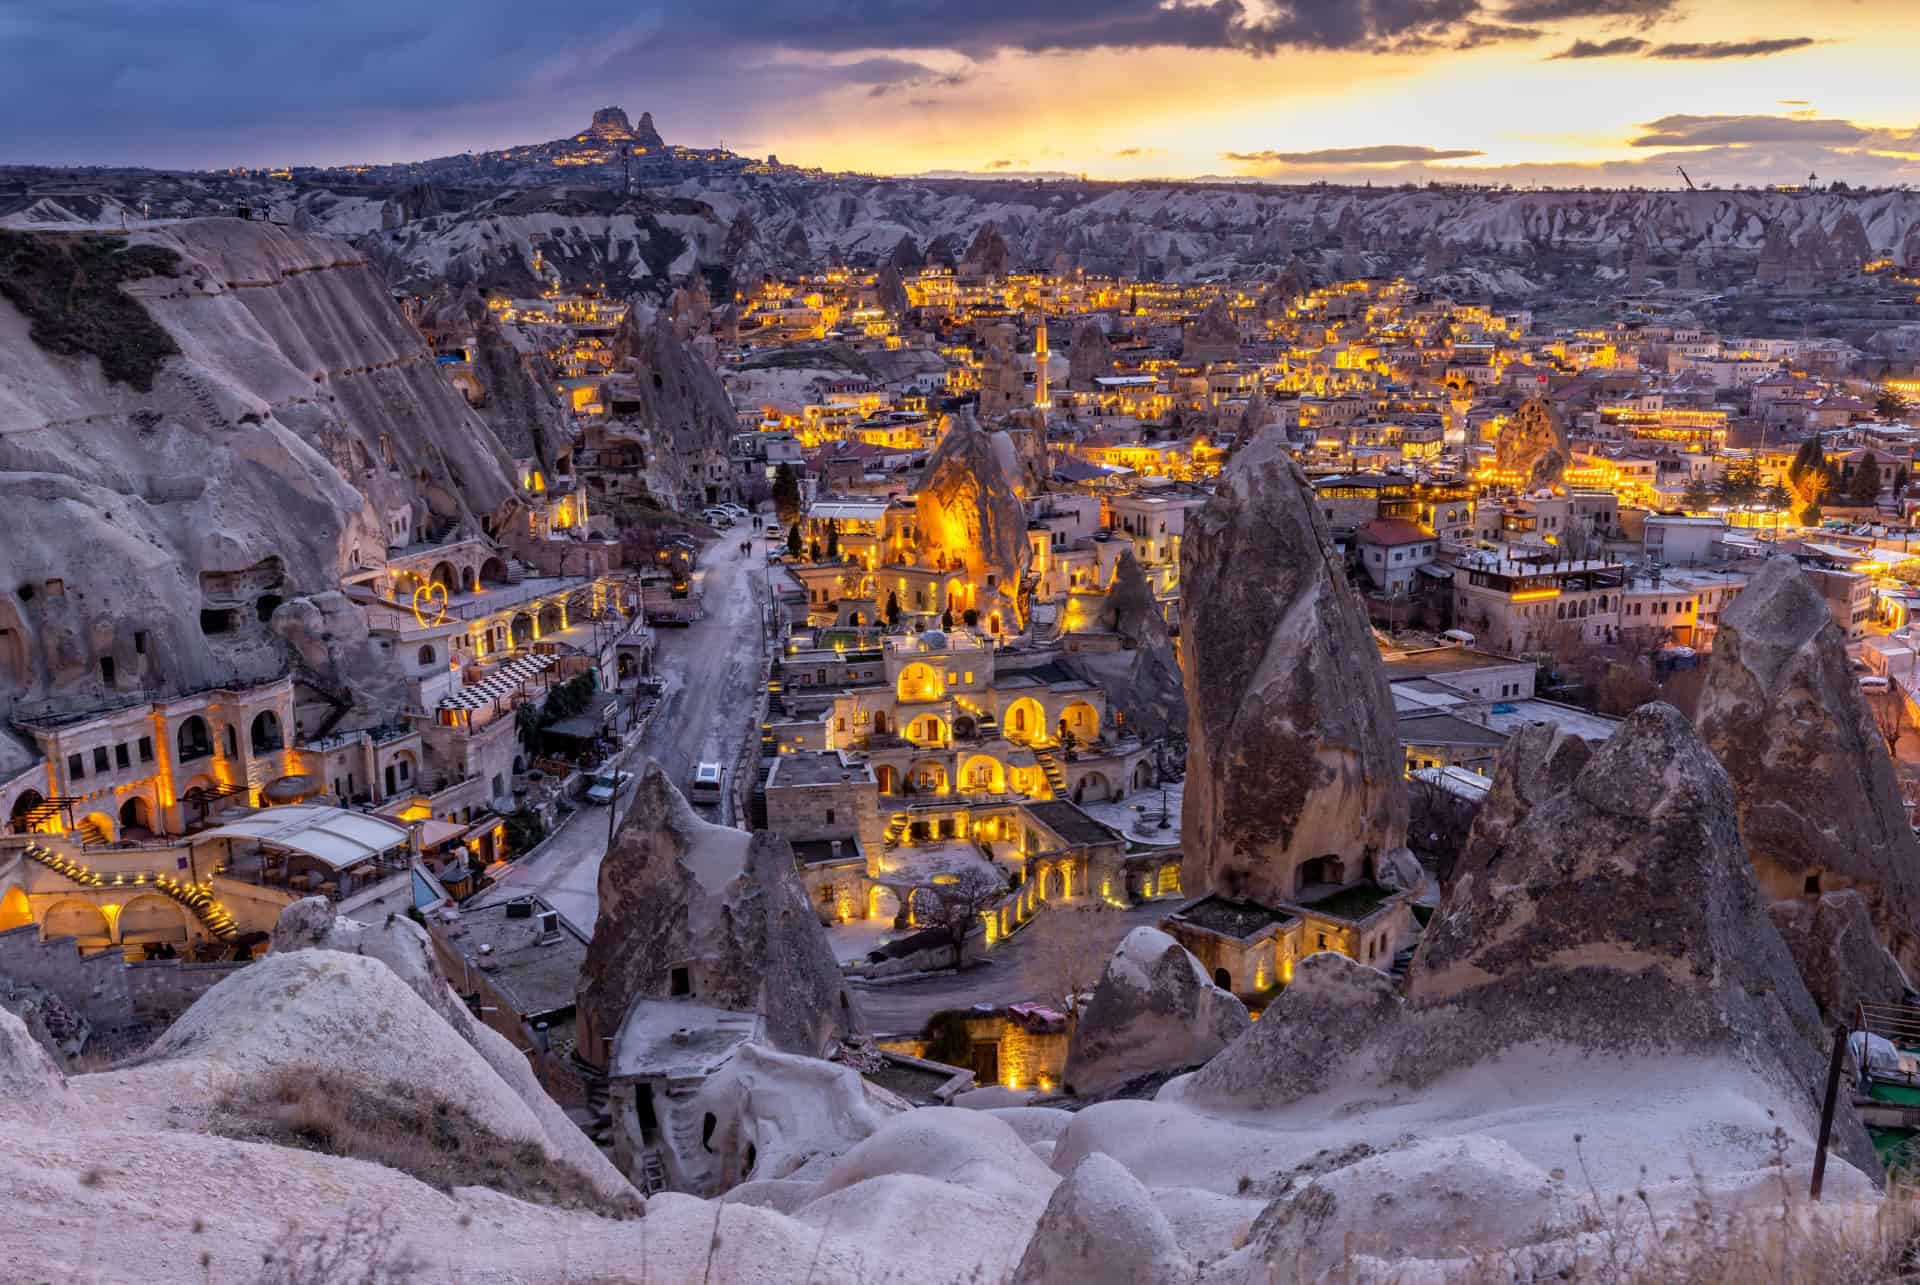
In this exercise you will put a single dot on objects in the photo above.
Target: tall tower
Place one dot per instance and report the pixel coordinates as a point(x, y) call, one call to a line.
point(1041, 399)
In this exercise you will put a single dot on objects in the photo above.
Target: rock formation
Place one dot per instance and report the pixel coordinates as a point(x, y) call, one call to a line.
point(988, 255)
point(1620, 917)
point(1091, 357)
point(781, 1117)
point(1154, 1010)
point(1293, 751)
point(1142, 679)
point(890, 292)
point(969, 517)
point(1534, 445)
point(1102, 1225)
point(302, 413)
point(1839, 953)
point(706, 911)
point(1539, 761)
point(674, 404)
point(1818, 804)
point(1212, 336)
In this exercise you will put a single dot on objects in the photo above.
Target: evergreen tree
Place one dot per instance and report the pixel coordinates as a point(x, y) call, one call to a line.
point(893, 610)
point(793, 541)
point(1899, 481)
point(786, 493)
point(833, 542)
point(813, 551)
point(1864, 488)
point(1695, 498)
point(946, 618)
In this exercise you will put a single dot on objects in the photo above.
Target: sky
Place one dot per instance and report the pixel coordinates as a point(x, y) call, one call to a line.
point(1552, 92)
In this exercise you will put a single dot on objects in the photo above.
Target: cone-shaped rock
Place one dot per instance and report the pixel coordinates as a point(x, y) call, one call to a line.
point(1818, 805)
point(722, 908)
point(1154, 1010)
point(968, 515)
point(1102, 1225)
point(1293, 752)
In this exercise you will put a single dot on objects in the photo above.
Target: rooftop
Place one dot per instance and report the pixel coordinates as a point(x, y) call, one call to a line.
point(540, 976)
point(332, 835)
point(1433, 662)
point(664, 1038)
point(1239, 919)
point(824, 767)
point(1429, 728)
point(1068, 821)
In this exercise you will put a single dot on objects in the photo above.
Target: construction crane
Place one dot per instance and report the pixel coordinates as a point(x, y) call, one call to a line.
point(1683, 175)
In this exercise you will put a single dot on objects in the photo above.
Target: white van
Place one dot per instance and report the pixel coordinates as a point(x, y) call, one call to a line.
point(1460, 636)
point(1873, 683)
point(706, 783)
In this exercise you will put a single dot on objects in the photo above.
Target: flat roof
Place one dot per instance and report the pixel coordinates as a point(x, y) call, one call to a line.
point(336, 836)
point(1511, 716)
point(668, 1038)
point(822, 767)
point(538, 976)
point(1446, 729)
point(1237, 919)
point(1069, 822)
point(1432, 662)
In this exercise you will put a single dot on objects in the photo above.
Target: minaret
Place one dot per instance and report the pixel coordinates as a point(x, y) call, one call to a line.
point(1041, 400)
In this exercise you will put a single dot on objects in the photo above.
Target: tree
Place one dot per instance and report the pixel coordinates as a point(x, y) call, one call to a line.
point(893, 610)
point(1696, 497)
point(1889, 710)
point(957, 906)
point(1738, 485)
point(1066, 953)
point(833, 542)
point(1899, 483)
point(1889, 405)
point(946, 619)
point(1438, 822)
point(1809, 478)
point(813, 551)
point(1864, 489)
point(793, 541)
point(786, 493)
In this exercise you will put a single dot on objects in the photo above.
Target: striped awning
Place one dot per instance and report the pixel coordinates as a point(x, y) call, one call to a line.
point(504, 681)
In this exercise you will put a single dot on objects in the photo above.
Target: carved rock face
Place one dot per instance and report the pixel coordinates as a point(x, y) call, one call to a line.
point(1293, 752)
point(1818, 804)
point(1534, 444)
point(682, 897)
point(968, 516)
point(1154, 1010)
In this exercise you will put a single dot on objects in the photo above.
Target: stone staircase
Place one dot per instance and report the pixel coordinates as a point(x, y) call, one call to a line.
point(211, 914)
point(91, 834)
point(896, 829)
point(516, 571)
point(1056, 775)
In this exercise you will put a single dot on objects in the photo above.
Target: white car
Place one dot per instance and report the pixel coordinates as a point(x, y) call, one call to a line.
point(605, 787)
point(706, 783)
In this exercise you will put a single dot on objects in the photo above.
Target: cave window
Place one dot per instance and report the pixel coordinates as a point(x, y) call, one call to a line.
point(26, 592)
point(680, 982)
point(233, 742)
point(122, 759)
point(195, 741)
point(753, 1155)
point(106, 670)
point(1813, 884)
point(708, 1123)
point(265, 606)
point(215, 621)
point(76, 768)
point(101, 763)
point(427, 656)
point(146, 749)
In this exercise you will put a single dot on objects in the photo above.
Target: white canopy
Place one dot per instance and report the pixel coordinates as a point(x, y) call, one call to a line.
point(339, 838)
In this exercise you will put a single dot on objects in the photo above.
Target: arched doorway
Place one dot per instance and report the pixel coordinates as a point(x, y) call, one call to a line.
point(493, 572)
point(882, 903)
point(14, 910)
point(880, 722)
point(96, 827)
point(1026, 721)
point(983, 774)
point(81, 920)
point(552, 620)
point(195, 740)
point(22, 807)
point(1223, 979)
point(521, 629)
point(924, 905)
point(929, 776)
point(919, 682)
point(1080, 721)
point(443, 575)
point(152, 920)
point(134, 815)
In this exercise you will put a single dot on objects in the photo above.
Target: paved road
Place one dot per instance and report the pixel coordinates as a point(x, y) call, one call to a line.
point(712, 671)
point(1012, 973)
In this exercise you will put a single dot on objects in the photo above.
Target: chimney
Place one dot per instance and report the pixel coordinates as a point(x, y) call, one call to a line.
point(487, 962)
point(549, 925)
point(836, 847)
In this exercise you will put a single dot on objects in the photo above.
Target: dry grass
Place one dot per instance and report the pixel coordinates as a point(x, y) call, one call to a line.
point(433, 1141)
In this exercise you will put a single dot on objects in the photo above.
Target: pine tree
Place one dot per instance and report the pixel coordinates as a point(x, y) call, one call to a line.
point(893, 610)
point(833, 542)
point(1865, 486)
point(793, 541)
point(1695, 498)
point(786, 493)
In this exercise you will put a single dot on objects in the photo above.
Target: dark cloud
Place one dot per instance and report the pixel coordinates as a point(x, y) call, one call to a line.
point(1699, 51)
point(1127, 152)
point(1716, 49)
point(1473, 35)
point(1006, 165)
point(1724, 131)
point(1383, 154)
point(1618, 48)
point(1640, 13)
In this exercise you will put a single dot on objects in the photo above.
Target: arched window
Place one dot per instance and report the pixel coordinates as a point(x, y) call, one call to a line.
point(427, 654)
point(195, 739)
point(266, 732)
point(233, 742)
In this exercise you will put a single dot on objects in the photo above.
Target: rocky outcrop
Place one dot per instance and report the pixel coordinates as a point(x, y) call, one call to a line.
point(1090, 358)
point(1154, 1010)
point(1819, 808)
point(1212, 336)
point(1142, 679)
point(782, 1117)
point(988, 255)
point(1293, 750)
point(708, 912)
point(1620, 917)
point(673, 404)
point(1102, 1225)
point(969, 517)
point(313, 924)
point(26, 1070)
point(1840, 955)
point(1539, 761)
point(1533, 446)
point(302, 413)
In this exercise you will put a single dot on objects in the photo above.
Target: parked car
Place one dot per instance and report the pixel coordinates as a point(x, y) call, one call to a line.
point(605, 787)
point(706, 783)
